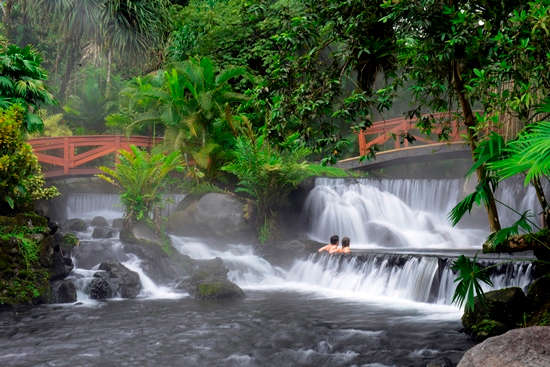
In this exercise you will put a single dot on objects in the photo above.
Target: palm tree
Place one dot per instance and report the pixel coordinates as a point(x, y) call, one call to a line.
point(129, 26)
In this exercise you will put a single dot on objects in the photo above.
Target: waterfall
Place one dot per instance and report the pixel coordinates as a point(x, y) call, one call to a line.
point(408, 213)
point(89, 205)
point(427, 279)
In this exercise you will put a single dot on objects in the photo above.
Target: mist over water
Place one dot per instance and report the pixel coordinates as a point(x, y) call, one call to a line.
point(323, 310)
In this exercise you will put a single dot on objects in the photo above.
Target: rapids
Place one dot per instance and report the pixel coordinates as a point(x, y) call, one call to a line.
point(388, 306)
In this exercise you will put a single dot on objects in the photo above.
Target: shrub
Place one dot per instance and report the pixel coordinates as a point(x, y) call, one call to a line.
point(142, 176)
point(21, 179)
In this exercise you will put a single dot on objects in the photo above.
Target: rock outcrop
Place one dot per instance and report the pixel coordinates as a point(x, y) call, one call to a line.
point(214, 215)
point(63, 291)
point(114, 279)
point(103, 232)
point(99, 221)
point(503, 310)
point(209, 281)
point(527, 347)
point(75, 224)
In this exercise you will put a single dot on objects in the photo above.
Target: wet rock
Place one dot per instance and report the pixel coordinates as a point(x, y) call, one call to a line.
point(61, 266)
point(539, 292)
point(209, 281)
point(90, 253)
point(213, 215)
point(99, 221)
point(141, 233)
point(161, 266)
point(76, 224)
point(381, 234)
point(103, 232)
point(122, 280)
point(99, 288)
point(118, 223)
point(517, 348)
point(503, 310)
point(440, 362)
point(63, 291)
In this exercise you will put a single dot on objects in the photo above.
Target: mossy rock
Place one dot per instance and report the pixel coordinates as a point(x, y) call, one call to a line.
point(221, 289)
point(487, 328)
point(505, 306)
point(541, 316)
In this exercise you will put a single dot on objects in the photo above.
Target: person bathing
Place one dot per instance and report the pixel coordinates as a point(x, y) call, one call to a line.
point(332, 247)
point(345, 246)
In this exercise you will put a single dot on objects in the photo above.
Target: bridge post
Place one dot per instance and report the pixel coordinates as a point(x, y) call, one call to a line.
point(362, 142)
point(117, 146)
point(66, 159)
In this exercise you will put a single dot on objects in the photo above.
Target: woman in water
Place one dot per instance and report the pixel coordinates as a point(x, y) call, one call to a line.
point(345, 246)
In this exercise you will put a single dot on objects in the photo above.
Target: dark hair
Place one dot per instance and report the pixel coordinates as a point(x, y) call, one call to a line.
point(334, 240)
point(345, 242)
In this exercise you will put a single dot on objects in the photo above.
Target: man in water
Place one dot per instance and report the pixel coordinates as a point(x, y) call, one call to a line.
point(332, 246)
point(345, 246)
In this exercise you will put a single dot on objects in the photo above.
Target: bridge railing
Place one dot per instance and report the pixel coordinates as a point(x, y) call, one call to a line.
point(69, 162)
point(382, 131)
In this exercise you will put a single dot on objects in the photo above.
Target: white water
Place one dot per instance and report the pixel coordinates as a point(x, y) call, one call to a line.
point(401, 280)
point(401, 213)
point(88, 205)
point(387, 213)
point(149, 289)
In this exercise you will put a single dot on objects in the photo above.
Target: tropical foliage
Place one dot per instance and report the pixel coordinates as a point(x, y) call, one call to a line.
point(22, 82)
point(269, 173)
point(470, 275)
point(142, 177)
point(21, 179)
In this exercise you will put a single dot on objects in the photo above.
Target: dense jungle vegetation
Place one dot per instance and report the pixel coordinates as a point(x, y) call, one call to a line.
point(246, 93)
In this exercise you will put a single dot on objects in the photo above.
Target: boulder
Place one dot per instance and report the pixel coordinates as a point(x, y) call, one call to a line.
point(517, 348)
point(99, 221)
point(76, 224)
point(538, 293)
point(161, 267)
point(213, 215)
point(141, 233)
point(382, 235)
point(103, 232)
point(209, 281)
point(90, 253)
point(60, 266)
point(118, 223)
point(99, 288)
point(63, 291)
point(122, 280)
point(503, 310)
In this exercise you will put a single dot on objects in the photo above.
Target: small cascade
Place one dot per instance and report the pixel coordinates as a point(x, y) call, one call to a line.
point(149, 289)
point(89, 205)
point(409, 213)
point(245, 267)
point(427, 279)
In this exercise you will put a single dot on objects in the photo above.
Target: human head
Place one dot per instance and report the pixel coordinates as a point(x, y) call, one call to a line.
point(345, 242)
point(334, 240)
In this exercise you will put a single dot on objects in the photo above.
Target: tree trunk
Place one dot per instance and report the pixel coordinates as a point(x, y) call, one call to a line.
point(108, 78)
point(543, 202)
point(469, 121)
point(73, 52)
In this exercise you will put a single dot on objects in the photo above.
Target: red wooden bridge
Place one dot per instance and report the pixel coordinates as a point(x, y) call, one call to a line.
point(81, 155)
point(382, 131)
point(387, 136)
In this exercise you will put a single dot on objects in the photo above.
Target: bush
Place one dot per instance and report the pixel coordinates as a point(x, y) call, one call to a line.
point(21, 179)
point(142, 176)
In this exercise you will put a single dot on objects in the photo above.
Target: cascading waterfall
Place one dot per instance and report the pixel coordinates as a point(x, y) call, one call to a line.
point(408, 213)
point(425, 279)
